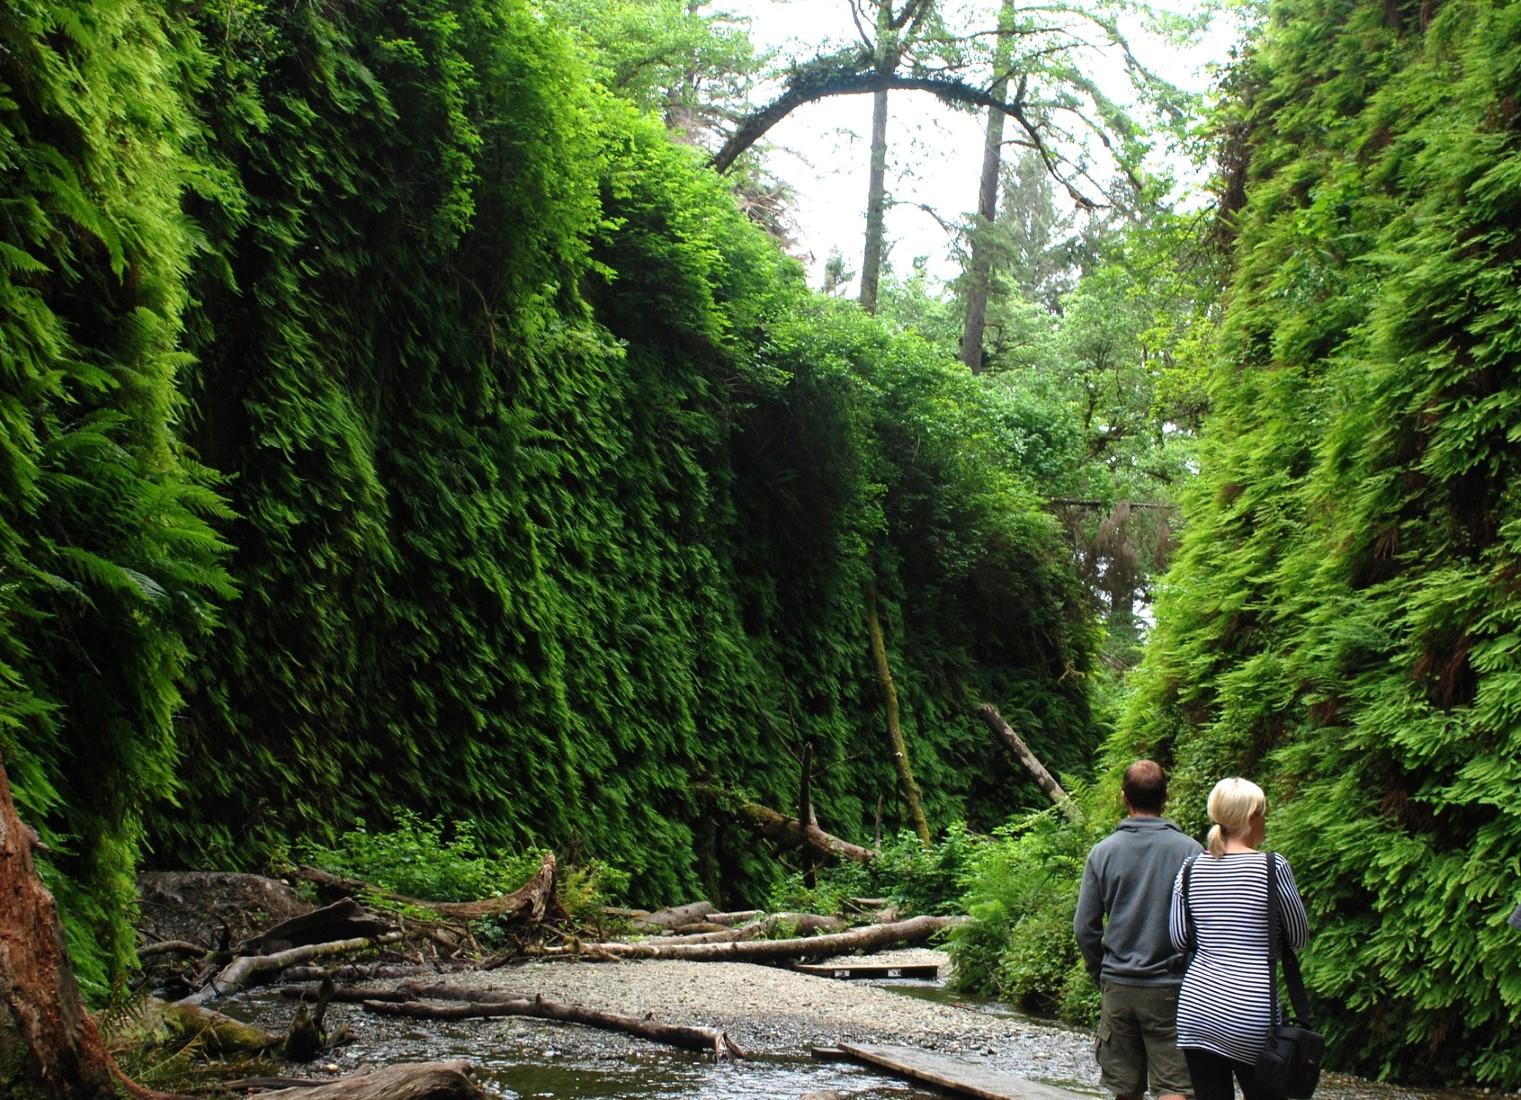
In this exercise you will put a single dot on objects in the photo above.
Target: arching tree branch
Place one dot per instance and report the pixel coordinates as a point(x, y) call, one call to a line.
point(853, 74)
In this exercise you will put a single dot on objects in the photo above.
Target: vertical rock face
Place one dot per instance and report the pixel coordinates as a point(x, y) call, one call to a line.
point(49, 1048)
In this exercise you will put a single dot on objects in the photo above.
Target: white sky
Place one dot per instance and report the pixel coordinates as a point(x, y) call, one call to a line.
point(934, 152)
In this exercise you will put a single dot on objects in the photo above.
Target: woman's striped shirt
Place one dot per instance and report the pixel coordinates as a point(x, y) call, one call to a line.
point(1223, 1005)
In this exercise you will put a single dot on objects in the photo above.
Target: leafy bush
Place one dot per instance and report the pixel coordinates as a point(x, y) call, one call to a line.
point(415, 859)
point(913, 878)
point(1021, 892)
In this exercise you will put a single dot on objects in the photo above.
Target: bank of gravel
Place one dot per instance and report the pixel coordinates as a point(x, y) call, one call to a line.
point(770, 1010)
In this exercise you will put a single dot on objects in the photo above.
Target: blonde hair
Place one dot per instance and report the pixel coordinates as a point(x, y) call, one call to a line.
point(1232, 804)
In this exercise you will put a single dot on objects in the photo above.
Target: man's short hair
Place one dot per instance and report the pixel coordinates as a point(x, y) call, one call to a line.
point(1145, 786)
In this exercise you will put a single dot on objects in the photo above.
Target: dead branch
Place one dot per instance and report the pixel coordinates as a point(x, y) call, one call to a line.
point(533, 901)
point(247, 970)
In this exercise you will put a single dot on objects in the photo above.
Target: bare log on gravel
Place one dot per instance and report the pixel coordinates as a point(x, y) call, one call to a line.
point(675, 916)
point(473, 1003)
point(733, 920)
point(1029, 761)
point(247, 970)
point(789, 831)
point(870, 938)
point(414, 1081)
point(534, 901)
point(799, 924)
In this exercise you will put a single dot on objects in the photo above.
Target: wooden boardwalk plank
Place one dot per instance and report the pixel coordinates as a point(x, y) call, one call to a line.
point(870, 970)
point(955, 1074)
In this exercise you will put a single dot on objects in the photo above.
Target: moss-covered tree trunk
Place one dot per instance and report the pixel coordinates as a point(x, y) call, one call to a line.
point(906, 781)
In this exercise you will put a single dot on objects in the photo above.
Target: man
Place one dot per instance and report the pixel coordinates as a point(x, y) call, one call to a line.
point(1128, 882)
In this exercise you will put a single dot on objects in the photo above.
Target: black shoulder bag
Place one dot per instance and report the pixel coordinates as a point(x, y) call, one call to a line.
point(1289, 1065)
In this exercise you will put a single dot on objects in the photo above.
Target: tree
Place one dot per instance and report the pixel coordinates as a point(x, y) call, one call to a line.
point(1086, 141)
point(978, 277)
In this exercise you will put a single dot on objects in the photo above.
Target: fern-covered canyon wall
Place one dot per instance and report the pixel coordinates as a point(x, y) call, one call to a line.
point(1343, 621)
point(395, 420)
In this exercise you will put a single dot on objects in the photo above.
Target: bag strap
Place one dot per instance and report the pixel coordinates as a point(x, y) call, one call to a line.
point(1188, 912)
point(1276, 947)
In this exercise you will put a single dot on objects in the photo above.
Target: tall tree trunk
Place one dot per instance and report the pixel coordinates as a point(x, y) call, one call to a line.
point(49, 1046)
point(876, 204)
point(906, 779)
point(979, 276)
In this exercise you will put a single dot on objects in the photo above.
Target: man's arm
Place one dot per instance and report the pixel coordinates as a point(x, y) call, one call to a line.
point(1088, 924)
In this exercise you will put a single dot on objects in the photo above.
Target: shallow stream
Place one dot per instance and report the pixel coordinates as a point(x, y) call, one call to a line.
point(539, 1059)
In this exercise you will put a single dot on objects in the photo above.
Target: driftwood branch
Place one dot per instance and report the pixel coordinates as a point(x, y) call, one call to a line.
point(1031, 762)
point(871, 938)
point(533, 901)
point(472, 1003)
point(247, 970)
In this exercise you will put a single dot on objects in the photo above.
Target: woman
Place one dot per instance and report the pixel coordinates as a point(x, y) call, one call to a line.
point(1224, 1004)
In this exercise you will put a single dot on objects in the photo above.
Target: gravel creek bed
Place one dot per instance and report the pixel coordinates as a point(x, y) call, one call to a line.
point(775, 1015)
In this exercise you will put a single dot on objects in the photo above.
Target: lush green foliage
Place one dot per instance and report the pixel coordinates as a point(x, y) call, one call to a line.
point(905, 874)
point(1021, 893)
point(107, 564)
point(416, 859)
point(549, 489)
point(1344, 619)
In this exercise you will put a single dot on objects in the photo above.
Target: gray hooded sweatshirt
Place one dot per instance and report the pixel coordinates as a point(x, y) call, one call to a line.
point(1128, 879)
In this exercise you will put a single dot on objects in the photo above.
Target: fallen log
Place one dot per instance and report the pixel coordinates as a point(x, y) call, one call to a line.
point(473, 1003)
point(247, 970)
point(215, 1033)
point(414, 1081)
point(534, 900)
point(734, 919)
point(1016, 745)
point(870, 938)
point(789, 831)
point(800, 924)
point(675, 916)
point(343, 920)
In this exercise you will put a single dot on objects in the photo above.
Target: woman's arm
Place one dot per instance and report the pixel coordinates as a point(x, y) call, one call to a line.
point(1177, 916)
point(1296, 925)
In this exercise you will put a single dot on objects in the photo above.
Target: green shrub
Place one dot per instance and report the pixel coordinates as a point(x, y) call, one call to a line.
point(911, 877)
point(415, 859)
point(1021, 892)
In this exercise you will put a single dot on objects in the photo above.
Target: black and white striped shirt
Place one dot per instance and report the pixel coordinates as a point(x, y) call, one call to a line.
point(1223, 1005)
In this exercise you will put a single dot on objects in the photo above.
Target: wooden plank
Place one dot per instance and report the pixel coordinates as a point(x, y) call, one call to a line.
point(870, 970)
point(955, 1074)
